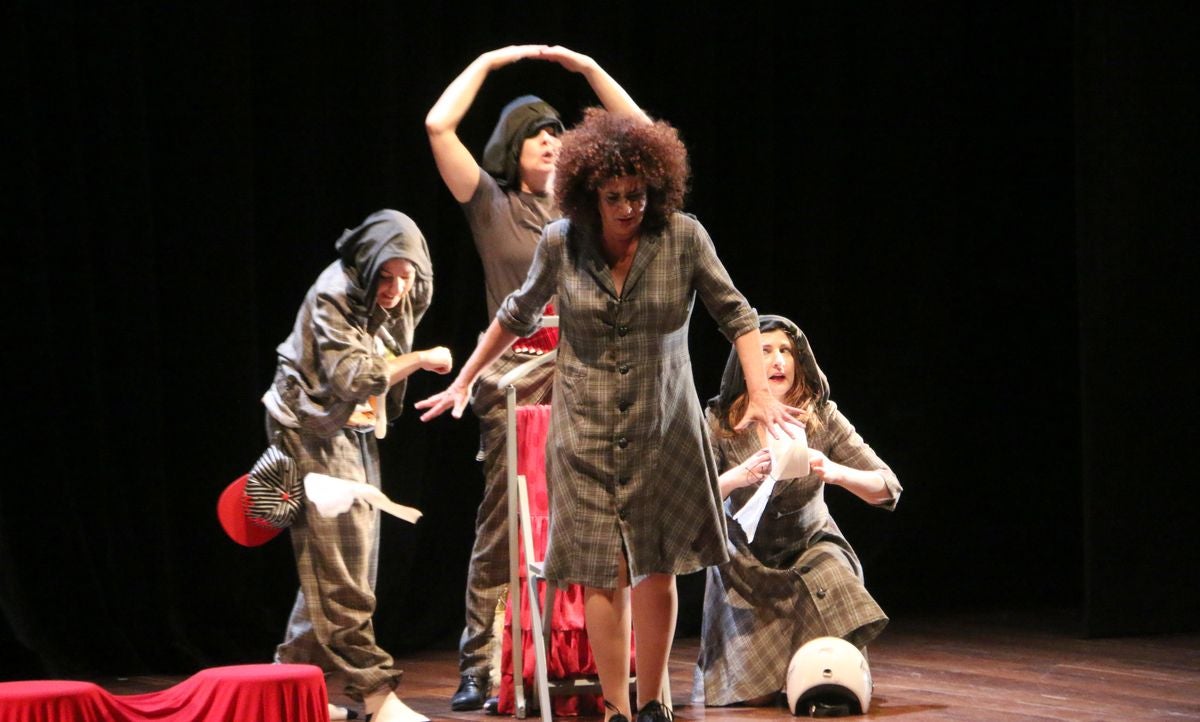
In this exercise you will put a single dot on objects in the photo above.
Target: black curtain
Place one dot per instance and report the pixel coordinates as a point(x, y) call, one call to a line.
point(900, 179)
point(1138, 114)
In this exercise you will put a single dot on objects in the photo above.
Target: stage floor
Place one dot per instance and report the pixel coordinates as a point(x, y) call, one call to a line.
point(972, 668)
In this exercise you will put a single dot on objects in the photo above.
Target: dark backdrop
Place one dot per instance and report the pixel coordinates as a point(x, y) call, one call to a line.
point(981, 213)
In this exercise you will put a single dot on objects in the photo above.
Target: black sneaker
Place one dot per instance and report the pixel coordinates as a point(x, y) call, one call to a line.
point(654, 711)
point(470, 694)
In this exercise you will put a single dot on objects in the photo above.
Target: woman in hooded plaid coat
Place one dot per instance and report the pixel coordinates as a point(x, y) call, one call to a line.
point(796, 577)
point(351, 343)
point(633, 482)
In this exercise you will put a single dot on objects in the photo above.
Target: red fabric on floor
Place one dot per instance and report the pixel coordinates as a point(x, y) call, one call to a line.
point(570, 655)
point(259, 692)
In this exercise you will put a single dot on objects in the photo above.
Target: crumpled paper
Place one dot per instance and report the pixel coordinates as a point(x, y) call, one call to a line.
point(789, 460)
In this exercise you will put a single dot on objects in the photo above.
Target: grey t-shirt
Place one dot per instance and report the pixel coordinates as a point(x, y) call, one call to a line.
point(506, 227)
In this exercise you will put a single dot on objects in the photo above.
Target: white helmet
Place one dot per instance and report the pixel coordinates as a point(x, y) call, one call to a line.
point(828, 677)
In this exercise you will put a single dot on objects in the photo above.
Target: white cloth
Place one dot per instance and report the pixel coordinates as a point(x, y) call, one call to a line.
point(789, 460)
point(333, 496)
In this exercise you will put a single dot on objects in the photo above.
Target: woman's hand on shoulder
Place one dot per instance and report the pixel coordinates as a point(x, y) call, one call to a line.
point(774, 415)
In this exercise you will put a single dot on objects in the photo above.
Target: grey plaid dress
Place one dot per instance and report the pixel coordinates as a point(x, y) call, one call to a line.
point(629, 465)
point(798, 580)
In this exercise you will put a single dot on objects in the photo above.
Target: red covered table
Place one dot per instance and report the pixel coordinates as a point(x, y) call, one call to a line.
point(261, 692)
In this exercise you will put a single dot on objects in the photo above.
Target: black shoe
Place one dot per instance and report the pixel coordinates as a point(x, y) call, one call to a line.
point(492, 705)
point(617, 716)
point(654, 711)
point(470, 694)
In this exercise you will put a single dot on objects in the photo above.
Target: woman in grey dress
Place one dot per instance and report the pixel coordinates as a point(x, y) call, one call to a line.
point(507, 199)
point(634, 498)
point(796, 578)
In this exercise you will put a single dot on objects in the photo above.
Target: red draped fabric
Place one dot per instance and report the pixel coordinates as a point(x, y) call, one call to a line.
point(543, 340)
point(569, 655)
point(260, 692)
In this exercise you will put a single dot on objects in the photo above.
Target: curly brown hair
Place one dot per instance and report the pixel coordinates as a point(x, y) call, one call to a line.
point(605, 146)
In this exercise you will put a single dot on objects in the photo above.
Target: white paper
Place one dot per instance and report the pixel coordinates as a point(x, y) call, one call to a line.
point(789, 454)
point(751, 512)
point(333, 496)
point(789, 460)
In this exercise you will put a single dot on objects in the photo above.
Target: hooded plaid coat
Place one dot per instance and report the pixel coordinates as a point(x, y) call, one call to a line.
point(629, 466)
point(799, 579)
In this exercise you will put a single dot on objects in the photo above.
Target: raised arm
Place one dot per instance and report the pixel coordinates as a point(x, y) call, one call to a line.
point(611, 95)
point(458, 168)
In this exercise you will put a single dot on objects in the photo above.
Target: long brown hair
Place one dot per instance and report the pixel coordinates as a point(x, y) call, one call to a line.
point(809, 391)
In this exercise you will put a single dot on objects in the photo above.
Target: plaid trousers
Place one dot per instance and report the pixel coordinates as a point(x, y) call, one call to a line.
point(337, 560)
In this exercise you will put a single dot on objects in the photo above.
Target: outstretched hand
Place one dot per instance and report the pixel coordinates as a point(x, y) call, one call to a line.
point(454, 398)
point(772, 414)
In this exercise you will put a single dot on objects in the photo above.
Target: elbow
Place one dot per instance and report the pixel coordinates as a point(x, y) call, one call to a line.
point(436, 124)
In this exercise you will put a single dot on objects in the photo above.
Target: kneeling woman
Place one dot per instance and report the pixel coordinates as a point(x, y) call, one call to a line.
point(799, 578)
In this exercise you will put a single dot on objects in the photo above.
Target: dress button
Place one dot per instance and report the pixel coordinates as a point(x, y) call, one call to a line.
point(805, 569)
point(820, 594)
point(622, 442)
point(623, 406)
point(623, 368)
point(622, 330)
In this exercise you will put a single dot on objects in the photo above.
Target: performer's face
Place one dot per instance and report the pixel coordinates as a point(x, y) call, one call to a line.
point(779, 362)
point(395, 279)
point(539, 152)
point(622, 206)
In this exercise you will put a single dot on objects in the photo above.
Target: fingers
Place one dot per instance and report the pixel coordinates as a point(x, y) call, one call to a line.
point(436, 405)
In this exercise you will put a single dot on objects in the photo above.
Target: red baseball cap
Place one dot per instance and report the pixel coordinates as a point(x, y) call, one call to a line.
point(233, 512)
point(259, 505)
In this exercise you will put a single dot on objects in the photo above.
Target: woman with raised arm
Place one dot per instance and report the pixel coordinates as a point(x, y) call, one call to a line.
point(507, 198)
point(635, 498)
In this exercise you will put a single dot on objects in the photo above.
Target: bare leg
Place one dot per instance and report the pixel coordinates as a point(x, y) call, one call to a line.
point(606, 613)
point(655, 604)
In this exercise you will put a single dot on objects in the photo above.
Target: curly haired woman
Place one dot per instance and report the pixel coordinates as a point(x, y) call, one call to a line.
point(635, 498)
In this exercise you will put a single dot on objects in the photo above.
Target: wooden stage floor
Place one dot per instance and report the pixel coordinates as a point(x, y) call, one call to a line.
point(975, 668)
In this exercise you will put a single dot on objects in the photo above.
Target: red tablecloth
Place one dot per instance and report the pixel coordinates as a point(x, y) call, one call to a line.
point(241, 693)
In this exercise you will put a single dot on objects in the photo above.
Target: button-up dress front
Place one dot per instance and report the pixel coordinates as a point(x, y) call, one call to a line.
point(628, 461)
